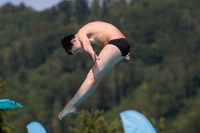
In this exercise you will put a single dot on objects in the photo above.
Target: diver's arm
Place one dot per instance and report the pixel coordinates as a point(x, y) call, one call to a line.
point(87, 46)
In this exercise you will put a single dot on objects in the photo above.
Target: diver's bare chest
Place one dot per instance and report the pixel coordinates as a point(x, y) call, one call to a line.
point(95, 41)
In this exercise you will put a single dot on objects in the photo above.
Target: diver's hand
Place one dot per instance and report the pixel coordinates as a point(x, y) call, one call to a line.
point(95, 57)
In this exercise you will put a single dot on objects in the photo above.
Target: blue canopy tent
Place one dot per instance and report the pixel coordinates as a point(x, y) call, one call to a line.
point(35, 127)
point(135, 122)
point(7, 103)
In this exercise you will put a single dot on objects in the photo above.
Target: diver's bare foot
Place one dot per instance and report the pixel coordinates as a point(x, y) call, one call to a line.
point(66, 111)
point(128, 56)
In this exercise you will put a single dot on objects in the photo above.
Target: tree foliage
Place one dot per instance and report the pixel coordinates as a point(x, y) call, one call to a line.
point(5, 127)
point(94, 122)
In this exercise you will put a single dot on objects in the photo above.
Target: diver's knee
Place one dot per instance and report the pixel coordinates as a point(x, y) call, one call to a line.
point(92, 78)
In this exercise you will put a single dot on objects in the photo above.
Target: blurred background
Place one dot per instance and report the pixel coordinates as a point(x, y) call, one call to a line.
point(162, 79)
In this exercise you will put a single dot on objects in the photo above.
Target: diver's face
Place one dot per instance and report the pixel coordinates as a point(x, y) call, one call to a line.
point(77, 47)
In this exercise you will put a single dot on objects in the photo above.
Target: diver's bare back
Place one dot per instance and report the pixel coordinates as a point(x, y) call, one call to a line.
point(100, 32)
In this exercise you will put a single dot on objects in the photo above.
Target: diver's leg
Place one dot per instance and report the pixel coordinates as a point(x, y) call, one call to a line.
point(109, 56)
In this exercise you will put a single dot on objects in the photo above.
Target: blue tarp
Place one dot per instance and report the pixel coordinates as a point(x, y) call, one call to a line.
point(135, 122)
point(35, 127)
point(7, 103)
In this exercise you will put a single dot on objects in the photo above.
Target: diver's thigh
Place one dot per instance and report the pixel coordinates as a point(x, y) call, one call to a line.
point(109, 56)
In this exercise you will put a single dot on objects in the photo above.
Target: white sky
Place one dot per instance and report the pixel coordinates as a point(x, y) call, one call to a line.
point(38, 5)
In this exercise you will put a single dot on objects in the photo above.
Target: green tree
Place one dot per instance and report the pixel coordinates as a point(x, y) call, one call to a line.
point(66, 7)
point(9, 8)
point(105, 12)
point(94, 122)
point(4, 126)
point(81, 10)
point(95, 7)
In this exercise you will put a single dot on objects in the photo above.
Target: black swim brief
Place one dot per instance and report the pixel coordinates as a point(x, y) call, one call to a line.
point(122, 44)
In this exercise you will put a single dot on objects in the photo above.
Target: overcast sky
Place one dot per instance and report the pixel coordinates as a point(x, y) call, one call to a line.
point(38, 5)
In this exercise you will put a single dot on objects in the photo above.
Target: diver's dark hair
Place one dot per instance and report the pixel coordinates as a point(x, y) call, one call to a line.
point(66, 43)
